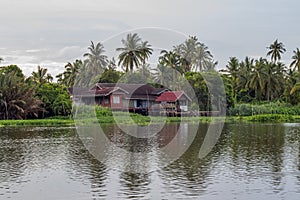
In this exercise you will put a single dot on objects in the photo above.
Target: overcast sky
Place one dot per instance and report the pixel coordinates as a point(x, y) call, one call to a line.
point(51, 33)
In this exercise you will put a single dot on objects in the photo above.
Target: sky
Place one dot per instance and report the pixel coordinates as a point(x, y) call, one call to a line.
point(51, 33)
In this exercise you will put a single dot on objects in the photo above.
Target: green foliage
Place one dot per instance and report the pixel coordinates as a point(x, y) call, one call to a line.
point(16, 96)
point(109, 75)
point(268, 108)
point(273, 118)
point(55, 98)
point(38, 122)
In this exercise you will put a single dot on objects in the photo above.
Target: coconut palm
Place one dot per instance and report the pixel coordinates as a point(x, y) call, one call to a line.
point(275, 50)
point(257, 78)
point(68, 76)
point(162, 75)
point(202, 57)
point(83, 79)
point(187, 51)
point(133, 53)
point(232, 68)
point(295, 88)
point(211, 65)
point(296, 61)
point(147, 51)
point(171, 59)
point(95, 58)
point(49, 78)
point(244, 74)
point(40, 76)
point(274, 76)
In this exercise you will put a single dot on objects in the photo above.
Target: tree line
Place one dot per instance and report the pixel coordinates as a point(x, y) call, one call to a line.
point(245, 81)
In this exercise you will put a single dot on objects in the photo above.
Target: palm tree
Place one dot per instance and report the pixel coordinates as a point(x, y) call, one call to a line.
point(68, 76)
point(134, 52)
point(49, 78)
point(257, 78)
point(96, 59)
point(211, 65)
point(244, 74)
point(171, 59)
point(187, 52)
point(40, 76)
point(17, 99)
point(147, 51)
point(275, 50)
point(232, 68)
point(295, 88)
point(202, 57)
point(274, 76)
point(162, 75)
point(195, 55)
point(296, 61)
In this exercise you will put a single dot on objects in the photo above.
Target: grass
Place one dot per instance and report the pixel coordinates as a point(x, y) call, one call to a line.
point(106, 116)
point(37, 122)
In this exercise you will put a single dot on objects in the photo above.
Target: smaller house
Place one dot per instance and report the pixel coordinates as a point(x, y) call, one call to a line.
point(174, 102)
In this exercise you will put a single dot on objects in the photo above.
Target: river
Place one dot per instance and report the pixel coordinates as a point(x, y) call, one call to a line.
point(249, 161)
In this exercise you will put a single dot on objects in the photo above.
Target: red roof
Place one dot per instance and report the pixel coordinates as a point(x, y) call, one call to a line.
point(171, 96)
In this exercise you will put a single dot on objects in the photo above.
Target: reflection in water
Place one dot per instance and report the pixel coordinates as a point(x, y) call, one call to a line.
point(260, 146)
point(134, 186)
point(249, 161)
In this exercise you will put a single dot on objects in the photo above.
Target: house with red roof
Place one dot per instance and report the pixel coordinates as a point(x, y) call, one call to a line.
point(138, 98)
point(174, 102)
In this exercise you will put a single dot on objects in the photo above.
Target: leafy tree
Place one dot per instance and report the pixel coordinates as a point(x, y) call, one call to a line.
point(110, 75)
point(275, 50)
point(12, 68)
point(56, 99)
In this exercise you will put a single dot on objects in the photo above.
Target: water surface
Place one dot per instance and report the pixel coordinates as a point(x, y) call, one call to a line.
point(250, 161)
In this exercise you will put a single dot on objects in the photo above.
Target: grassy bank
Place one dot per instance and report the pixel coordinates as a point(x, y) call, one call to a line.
point(37, 122)
point(105, 116)
point(145, 120)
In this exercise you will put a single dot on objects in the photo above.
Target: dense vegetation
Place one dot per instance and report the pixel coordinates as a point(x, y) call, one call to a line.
point(252, 86)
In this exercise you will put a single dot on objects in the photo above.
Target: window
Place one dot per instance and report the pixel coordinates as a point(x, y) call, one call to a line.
point(116, 99)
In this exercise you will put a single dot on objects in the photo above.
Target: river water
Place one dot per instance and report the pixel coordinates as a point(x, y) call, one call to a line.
point(249, 161)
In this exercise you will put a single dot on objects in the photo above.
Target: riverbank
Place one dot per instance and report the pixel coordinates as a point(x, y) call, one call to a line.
point(145, 120)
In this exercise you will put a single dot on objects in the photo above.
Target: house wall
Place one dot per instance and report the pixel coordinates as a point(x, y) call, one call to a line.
point(116, 101)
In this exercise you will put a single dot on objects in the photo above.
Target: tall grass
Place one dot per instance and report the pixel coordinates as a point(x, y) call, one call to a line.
point(265, 108)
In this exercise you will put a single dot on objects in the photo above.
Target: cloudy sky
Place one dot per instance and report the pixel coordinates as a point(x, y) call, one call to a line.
point(51, 33)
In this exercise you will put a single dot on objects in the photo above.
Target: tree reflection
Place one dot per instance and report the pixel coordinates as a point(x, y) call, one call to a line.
point(134, 185)
point(85, 168)
point(189, 173)
point(256, 150)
